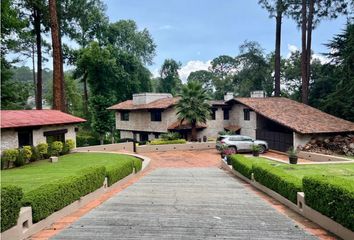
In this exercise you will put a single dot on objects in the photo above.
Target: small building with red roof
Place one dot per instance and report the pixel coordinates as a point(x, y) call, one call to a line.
point(30, 127)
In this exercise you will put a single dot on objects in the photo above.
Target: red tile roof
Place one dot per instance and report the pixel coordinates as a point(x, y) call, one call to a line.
point(162, 103)
point(297, 116)
point(31, 118)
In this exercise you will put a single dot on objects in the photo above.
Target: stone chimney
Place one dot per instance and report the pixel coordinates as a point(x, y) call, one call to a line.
point(228, 96)
point(257, 94)
point(144, 98)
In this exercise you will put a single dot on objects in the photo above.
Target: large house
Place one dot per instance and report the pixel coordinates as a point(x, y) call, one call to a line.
point(280, 121)
point(30, 127)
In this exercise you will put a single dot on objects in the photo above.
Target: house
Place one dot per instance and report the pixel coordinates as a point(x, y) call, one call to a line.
point(280, 121)
point(30, 127)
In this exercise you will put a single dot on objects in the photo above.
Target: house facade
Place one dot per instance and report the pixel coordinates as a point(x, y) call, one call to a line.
point(30, 127)
point(280, 121)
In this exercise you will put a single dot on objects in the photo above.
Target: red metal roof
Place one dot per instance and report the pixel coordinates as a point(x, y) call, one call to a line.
point(31, 118)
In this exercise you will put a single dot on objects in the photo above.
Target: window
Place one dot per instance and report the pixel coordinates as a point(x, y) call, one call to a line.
point(144, 137)
point(246, 114)
point(226, 114)
point(124, 116)
point(25, 138)
point(55, 135)
point(212, 115)
point(155, 116)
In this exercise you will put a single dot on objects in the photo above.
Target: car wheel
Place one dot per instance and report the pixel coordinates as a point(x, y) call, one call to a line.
point(233, 147)
point(262, 149)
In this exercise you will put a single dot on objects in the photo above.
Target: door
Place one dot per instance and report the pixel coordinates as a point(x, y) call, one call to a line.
point(280, 141)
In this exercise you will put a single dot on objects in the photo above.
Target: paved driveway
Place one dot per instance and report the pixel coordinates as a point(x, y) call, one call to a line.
point(185, 203)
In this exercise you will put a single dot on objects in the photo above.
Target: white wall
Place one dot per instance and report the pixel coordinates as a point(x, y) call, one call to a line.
point(9, 139)
point(249, 127)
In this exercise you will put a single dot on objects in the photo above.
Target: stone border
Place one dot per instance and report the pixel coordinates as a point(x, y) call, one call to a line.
point(125, 146)
point(25, 227)
point(176, 147)
point(318, 157)
point(301, 207)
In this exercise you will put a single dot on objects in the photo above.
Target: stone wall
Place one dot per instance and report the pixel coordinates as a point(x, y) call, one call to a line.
point(248, 127)
point(9, 139)
point(215, 126)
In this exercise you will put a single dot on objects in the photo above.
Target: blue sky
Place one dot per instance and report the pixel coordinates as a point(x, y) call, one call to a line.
point(196, 31)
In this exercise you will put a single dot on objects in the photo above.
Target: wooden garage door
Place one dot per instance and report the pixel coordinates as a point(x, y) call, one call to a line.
point(276, 140)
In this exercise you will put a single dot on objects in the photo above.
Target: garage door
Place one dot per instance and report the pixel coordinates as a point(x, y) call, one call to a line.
point(276, 140)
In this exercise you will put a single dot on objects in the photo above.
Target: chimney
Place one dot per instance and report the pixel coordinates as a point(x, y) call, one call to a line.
point(228, 96)
point(257, 94)
point(145, 98)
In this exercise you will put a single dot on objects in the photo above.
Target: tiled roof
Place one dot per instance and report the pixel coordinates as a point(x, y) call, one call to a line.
point(233, 128)
point(178, 125)
point(162, 103)
point(31, 118)
point(297, 116)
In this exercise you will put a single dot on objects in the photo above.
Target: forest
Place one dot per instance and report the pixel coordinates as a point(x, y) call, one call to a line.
point(108, 61)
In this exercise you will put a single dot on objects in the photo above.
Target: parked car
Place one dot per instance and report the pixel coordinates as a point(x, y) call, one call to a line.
point(240, 143)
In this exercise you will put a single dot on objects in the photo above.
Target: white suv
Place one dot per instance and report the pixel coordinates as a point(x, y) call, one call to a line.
point(240, 143)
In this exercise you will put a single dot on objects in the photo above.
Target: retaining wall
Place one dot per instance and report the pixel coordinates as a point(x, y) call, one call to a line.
point(115, 147)
point(176, 147)
point(318, 157)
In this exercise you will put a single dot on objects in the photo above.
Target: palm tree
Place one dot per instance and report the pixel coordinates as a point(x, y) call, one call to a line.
point(193, 106)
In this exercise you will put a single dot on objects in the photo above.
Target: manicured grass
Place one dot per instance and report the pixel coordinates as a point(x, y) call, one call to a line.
point(33, 175)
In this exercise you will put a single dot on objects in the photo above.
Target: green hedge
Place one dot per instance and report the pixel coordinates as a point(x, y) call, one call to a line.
point(118, 172)
point(162, 142)
point(242, 164)
point(138, 164)
point(278, 180)
point(331, 196)
point(52, 197)
point(10, 206)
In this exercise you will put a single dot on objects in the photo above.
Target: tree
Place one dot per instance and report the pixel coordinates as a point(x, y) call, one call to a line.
point(205, 78)
point(276, 8)
point(170, 81)
point(58, 78)
point(193, 106)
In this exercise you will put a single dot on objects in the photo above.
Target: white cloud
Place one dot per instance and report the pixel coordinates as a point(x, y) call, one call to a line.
point(291, 48)
point(192, 66)
point(323, 59)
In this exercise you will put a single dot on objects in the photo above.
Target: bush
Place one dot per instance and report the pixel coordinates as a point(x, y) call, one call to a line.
point(138, 164)
point(278, 180)
point(242, 164)
point(68, 146)
point(83, 140)
point(161, 142)
point(20, 160)
point(170, 136)
point(42, 150)
point(331, 196)
point(8, 155)
point(27, 152)
point(52, 197)
point(10, 206)
point(119, 171)
point(56, 148)
point(35, 154)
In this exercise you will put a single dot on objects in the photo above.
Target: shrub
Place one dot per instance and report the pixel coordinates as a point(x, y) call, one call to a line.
point(10, 206)
point(42, 150)
point(27, 152)
point(242, 164)
point(52, 197)
point(170, 136)
point(138, 164)
point(331, 196)
point(20, 160)
point(35, 154)
point(56, 148)
point(68, 146)
point(8, 155)
point(161, 142)
point(278, 180)
point(83, 140)
point(119, 171)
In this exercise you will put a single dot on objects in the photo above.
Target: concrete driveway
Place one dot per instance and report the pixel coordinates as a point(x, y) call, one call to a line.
point(185, 203)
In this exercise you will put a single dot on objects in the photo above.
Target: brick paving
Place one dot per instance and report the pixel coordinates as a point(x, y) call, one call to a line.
point(179, 159)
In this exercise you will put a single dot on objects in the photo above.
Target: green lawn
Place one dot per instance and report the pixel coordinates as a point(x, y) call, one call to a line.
point(33, 175)
point(345, 169)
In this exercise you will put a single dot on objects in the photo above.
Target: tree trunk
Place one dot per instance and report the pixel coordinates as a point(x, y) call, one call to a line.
point(277, 52)
point(194, 132)
point(58, 98)
point(34, 74)
point(101, 139)
point(37, 30)
point(305, 86)
point(84, 79)
point(309, 41)
point(62, 74)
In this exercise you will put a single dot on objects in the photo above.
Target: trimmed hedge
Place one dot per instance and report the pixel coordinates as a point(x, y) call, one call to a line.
point(138, 164)
point(52, 197)
point(162, 142)
point(118, 172)
point(242, 164)
point(10, 206)
point(278, 180)
point(331, 196)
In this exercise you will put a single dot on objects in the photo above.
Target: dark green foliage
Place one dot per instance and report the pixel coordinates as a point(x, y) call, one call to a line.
point(120, 171)
point(35, 154)
point(278, 180)
point(55, 148)
point(52, 197)
point(7, 156)
point(242, 164)
point(170, 136)
point(170, 81)
point(86, 139)
point(10, 206)
point(331, 196)
point(163, 142)
point(138, 163)
point(20, 159)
